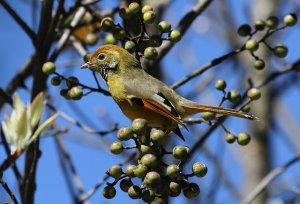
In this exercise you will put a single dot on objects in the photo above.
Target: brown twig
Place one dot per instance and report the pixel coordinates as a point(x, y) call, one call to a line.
point(8, 190)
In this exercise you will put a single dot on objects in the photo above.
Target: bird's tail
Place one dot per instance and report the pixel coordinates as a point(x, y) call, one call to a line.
point(193, 108)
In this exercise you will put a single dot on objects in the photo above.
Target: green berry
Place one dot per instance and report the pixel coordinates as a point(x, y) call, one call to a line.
point(230, 138)
point(125, 133)
point(254, 94)
point(243, 138)
point(109, 192)
point(150, 53)
point(246, 108)
point(48, 68)
point(90, 39)
point(173, 171)
point(259, 64)
point(199, 169)
point(107, 24)
point(75, 93)
point(252, 45)
point(290, 19)
point(72, 81)
point(260, 25)
point(155, 41)
point(144, 149)
point(135, 192)
point(130, 46)
point(116, 148)
point(149, 160)
point(64, 92)
point(175, 36)
point(184, 184)
point(139, 126)
point(164, 26)
point(149, 17)
point(272, 22)
point(234, 96)
point(175, 188)
point(220, 85)
point(140, 171)
point(280, 50)
point(133, 8)
point(147, 8)
point(129, 171)
point(192, 191)
point(125, 184)
point(181, 152)
point(244, 30)
point(157, 136)
point(148, 196)
point(110, 39)
point(123, 13)
point(152, 179)
point(115, 171)
point(55, 81)
point(208, 115)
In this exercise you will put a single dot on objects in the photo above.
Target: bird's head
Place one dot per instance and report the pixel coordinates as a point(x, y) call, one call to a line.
point(111, 59)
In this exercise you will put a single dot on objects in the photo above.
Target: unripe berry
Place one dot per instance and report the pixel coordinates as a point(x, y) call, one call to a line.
point(243, 138)
point(220, 85)
point(175, 188)
point(125, 133)
point(109, 192)
point(55, 81)
point(149, 17)
point(152, 179)
point(90, 39)
point(130, 46)
point(208, 115)
point(48, 68)
point(144, 149)
point(148, 196)
point(139, 126)
point(64, 92)
point(115, 171)
point(129, 171)
point(149, 160)
point(199, 169)
point(290, 19)
point(110, 39)
point(116, 148)
point(252, 45)
point(254, 94)
point(173, 171)
point(164, 26)
point(135, 192)
point(280, 50)
point(147, 8)
point(244, 30)
point(125, 184)
point(184, 184)
point(123, 13)
point(157, 136)
point(259, 64)
point(72, 81)
point(133, 8)
point(175, 36)
point(230, 138)
point(75, 93)
point(246, 108)
point(234, 96)
point(150, 53)
point(260, 25)
point(272, 22)
point(107, 24)
point(140, 171)
point(181, 152)
point(192, 191)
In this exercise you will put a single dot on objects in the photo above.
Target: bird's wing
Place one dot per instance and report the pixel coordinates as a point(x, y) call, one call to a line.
point(160, 104)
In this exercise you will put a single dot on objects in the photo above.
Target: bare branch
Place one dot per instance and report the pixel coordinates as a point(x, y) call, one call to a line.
point(7, 189)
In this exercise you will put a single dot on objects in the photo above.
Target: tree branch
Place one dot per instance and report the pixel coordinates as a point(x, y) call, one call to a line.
point(7, 189)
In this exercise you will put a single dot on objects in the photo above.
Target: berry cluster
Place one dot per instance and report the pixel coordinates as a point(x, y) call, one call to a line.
point(269, 26)
point(157, 178)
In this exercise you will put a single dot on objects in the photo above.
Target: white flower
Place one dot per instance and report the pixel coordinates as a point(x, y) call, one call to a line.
point(18, 129)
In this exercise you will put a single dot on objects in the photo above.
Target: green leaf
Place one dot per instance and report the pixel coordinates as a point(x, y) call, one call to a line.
point(17, 103)
point(36, 109)
point(42, 127)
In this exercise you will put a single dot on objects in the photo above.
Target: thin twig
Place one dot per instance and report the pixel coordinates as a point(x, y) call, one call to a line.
point(7, 189)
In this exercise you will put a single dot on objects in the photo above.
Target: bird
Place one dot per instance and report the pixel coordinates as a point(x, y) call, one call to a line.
point(139, 95)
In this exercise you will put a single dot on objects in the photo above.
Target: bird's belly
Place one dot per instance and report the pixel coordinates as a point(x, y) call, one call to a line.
point(133, 111)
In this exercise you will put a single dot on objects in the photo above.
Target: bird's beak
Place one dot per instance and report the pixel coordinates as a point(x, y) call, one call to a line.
point(86, 65)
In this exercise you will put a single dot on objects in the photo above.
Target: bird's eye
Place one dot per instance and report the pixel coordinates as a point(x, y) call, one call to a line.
point(101, 56)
